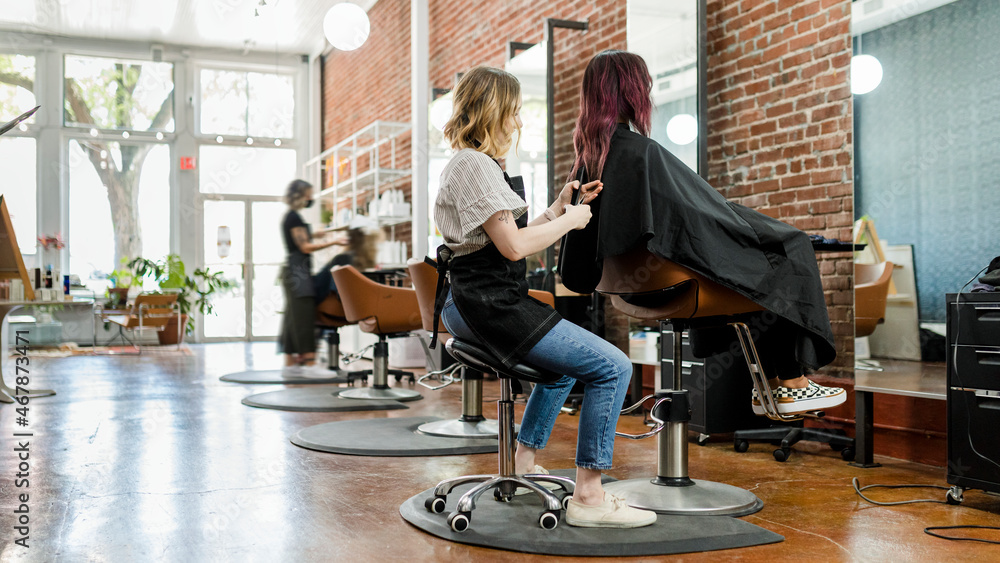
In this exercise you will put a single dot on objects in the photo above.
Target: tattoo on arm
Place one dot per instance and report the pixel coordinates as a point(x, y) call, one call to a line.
point(300, 236)
point(503, 218)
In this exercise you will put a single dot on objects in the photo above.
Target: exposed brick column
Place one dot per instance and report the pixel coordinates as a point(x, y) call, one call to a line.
point(780, 127)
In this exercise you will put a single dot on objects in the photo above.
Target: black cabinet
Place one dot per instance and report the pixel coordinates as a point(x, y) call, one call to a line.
point(973, 365)
point(719, 388)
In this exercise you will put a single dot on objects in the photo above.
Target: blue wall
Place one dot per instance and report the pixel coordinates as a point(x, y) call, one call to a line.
point(927, 151)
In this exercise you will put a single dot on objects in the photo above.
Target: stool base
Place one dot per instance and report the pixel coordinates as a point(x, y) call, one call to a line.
point(374, 393)
point(706, 498)
point(457, 428)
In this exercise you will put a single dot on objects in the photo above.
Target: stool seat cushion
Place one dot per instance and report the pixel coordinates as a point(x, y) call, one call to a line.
point(478, 357)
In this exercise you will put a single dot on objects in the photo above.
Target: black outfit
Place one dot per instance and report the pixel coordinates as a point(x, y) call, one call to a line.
point(651, 198)
point(491, 294)
point(297, 326)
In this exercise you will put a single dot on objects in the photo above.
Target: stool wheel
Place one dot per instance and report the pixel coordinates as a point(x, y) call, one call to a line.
point(741, 445)
point(847, 454)
point(501, 497)
point(459, 521)
point(564, 501)
point(702, 439)
point(548, 520)
point(782, 454)
point(954, 495)
point(435, 504)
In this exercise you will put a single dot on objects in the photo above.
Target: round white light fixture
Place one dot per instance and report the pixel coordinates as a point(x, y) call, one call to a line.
point(93, 132)
point(682, 129)
point(346, 26)
point(218, 139)
point(125, 135)
point(866, 74)
point(277, 142)
point(22, 127)
point(249, 140)
point(159, 136)
point(441, 113)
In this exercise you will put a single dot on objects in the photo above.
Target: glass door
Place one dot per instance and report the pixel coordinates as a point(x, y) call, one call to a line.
point(253, 310)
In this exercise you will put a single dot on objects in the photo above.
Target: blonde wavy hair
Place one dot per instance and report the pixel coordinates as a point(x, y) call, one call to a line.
point(484, 102)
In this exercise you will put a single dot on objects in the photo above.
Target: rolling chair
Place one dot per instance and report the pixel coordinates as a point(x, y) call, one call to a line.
point(472, 423)
point(871, 293)
point(682, 299)
point(387, 312)
point(149, 311)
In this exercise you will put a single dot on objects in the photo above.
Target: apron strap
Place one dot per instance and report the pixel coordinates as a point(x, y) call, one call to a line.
point(444, 255)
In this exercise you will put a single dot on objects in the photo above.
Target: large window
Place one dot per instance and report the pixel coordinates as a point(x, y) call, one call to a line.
point(18, 188)
point(245, 170)
point(119, 95)
point(17, 86)
point(119, 206)
point(247, 104)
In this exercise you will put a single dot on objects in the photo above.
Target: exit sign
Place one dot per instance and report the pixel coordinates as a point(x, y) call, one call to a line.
point(187, 163)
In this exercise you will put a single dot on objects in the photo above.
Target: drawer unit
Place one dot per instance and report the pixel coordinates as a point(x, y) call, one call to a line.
point(718, 386)
point(973, 365)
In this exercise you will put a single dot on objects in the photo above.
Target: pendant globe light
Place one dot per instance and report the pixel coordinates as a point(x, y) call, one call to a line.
point(346, 26)
point(866, 74)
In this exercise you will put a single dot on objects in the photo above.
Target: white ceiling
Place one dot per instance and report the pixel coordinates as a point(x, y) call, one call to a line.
point(290, 26)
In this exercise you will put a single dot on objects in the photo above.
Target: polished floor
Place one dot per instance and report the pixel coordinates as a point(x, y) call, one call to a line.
point(152, 458)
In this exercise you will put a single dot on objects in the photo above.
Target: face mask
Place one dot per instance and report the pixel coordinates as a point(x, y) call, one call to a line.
point(309, 203)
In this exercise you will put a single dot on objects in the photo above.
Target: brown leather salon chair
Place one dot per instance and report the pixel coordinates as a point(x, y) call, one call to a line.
point(648, 287)
point(472, 423)
point(871, 293)
point(386, 312)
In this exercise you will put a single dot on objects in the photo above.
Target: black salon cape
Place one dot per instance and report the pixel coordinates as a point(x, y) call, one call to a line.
point(650, 197)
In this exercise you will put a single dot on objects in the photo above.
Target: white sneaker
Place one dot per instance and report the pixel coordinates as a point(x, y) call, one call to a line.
point(316, 371)
point(291, 371)
point(538, 470)
point(612, 513)
point(811, 398)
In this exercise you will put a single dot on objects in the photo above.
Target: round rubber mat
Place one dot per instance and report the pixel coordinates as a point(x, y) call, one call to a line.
point(386, 437)
point(275, 376)
point(316, 399)
point(513, 526)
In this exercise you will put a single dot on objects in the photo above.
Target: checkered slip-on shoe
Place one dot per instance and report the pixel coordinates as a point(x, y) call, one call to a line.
point(812, 398)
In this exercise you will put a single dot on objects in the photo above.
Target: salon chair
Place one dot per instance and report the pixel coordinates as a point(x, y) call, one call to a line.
point(871, 293)
point(330, 316)
point(648, 287)
point(472, 423)
point(506, 481)
point(385, 311)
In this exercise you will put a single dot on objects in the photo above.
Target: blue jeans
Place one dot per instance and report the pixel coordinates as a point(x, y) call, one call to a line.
point(604, 370)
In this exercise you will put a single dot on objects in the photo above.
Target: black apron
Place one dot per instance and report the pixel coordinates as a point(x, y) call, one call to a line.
point(491, 294)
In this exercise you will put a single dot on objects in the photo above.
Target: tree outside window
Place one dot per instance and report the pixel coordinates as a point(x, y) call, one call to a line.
point(247, 104)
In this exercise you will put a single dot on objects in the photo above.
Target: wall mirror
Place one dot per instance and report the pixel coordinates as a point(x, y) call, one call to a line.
point(667, 34)
point(925, 83)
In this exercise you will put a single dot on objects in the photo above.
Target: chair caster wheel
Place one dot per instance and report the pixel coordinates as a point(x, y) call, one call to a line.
point(565, 501)
point(399, 378)
point(837, 447)
point(954, 496)
point(741, 445)
point(548, 520)
point(847, 454)
point(435, 504)
point(702, 439)
point(459, 521)
point(782, 454)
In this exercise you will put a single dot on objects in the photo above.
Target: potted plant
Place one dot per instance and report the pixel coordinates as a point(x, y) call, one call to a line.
point(122, 280)
point(194, 293)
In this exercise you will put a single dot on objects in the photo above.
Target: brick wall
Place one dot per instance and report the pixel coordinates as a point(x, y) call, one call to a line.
point(780, 127)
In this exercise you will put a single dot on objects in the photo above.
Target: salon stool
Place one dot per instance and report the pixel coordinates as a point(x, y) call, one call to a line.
point(504, 483)
point(387, 312)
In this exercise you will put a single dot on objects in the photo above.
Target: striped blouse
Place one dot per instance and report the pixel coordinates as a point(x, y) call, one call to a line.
point(472, 190)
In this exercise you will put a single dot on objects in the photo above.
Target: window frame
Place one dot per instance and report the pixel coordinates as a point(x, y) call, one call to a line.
point(211, 138)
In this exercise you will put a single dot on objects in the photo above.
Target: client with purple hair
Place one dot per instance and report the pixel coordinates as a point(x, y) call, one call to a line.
point(651, 201)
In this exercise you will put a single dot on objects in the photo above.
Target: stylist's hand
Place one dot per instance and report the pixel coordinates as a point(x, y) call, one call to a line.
point(587, 193)
point(579, 215)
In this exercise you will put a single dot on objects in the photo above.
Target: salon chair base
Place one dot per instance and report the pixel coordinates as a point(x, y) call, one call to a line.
point(379, 389)
point(785, 437)
point(459, 428)
point(705, 498)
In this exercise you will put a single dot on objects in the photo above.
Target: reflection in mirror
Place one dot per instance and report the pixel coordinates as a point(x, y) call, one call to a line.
point(438, 153)
point(665, 34)
point(528, 156)
point(926, 166)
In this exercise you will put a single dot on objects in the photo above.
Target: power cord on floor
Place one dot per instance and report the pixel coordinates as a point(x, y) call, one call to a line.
point(928, 530)
point(858, 488)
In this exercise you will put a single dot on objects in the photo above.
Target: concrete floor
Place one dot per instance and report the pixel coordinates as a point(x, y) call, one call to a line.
point(152, 458)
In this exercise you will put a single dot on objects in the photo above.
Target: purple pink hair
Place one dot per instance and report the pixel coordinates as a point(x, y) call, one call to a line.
point(616, 89)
